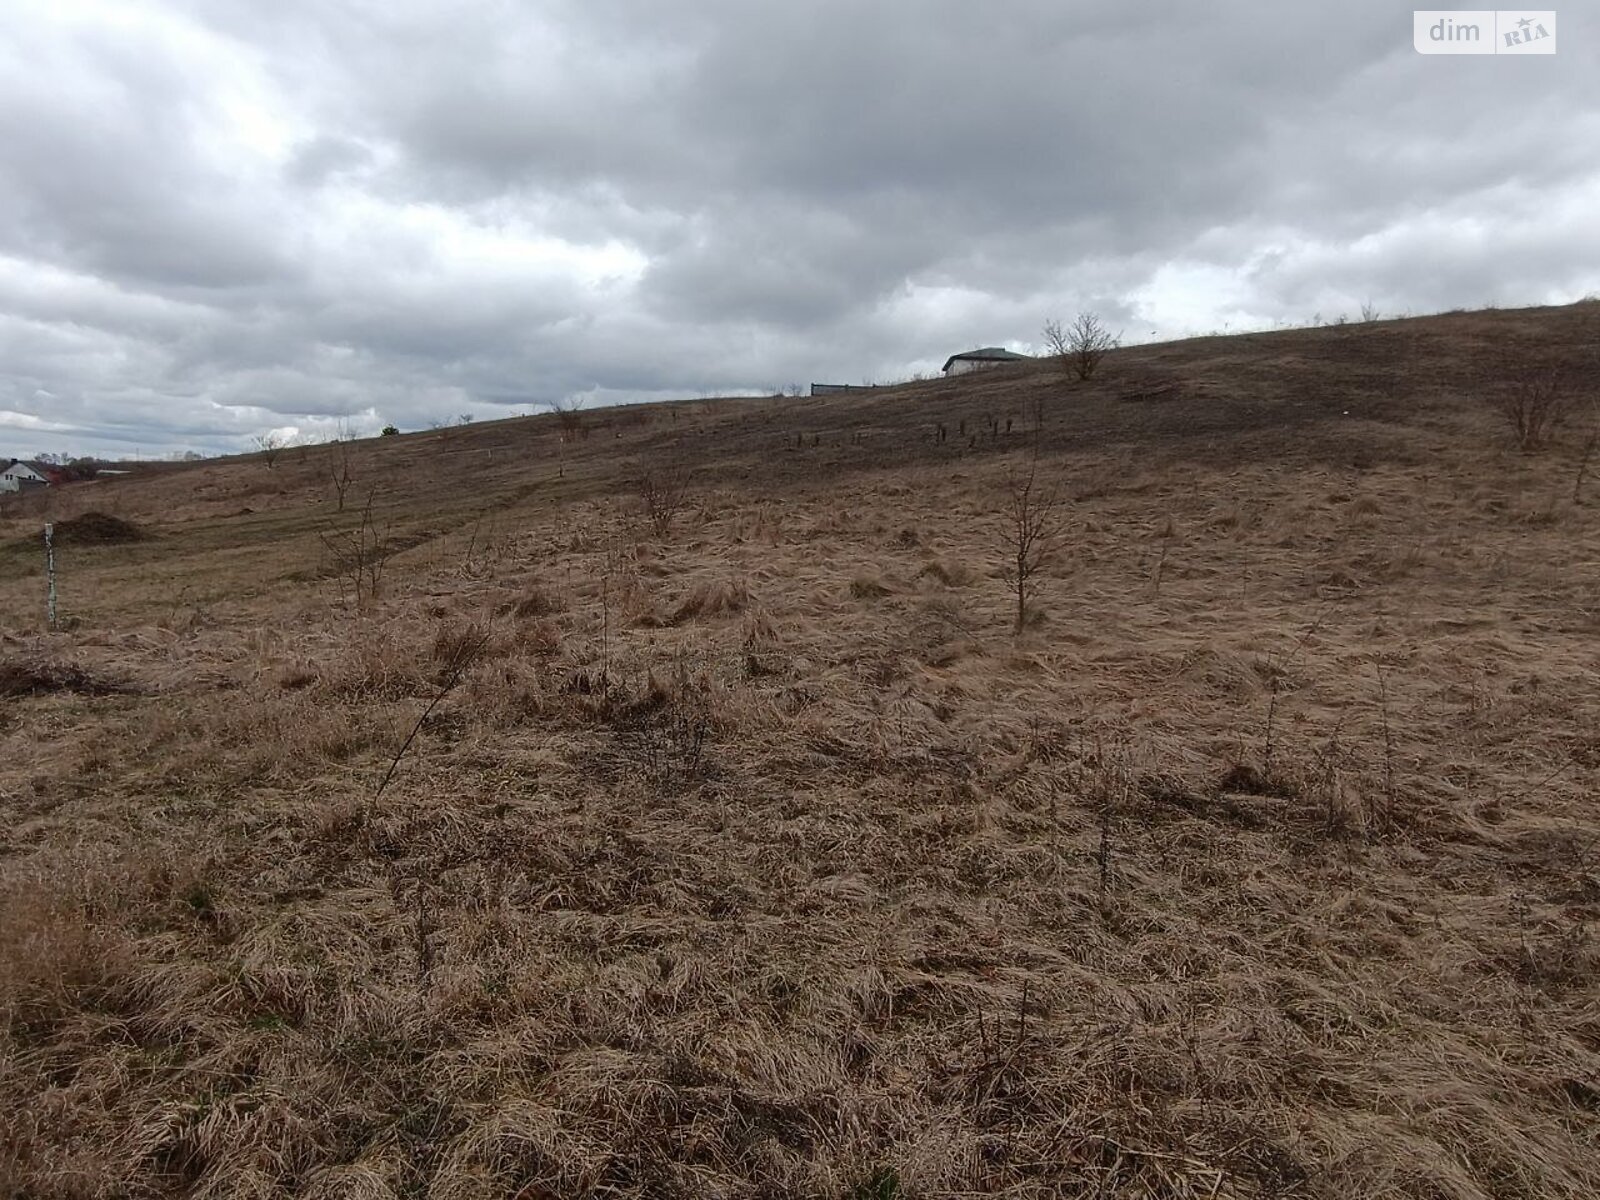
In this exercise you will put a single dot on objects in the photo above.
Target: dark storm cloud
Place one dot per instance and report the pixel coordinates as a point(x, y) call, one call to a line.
point(218, 218)
point(105, 170)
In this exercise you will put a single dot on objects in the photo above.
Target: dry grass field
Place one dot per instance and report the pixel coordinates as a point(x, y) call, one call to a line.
point(755, 852)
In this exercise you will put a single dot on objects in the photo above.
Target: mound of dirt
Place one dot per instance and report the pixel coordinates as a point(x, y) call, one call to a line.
point(97, 529)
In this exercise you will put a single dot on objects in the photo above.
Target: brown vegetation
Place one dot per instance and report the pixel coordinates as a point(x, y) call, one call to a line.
point(771, 861)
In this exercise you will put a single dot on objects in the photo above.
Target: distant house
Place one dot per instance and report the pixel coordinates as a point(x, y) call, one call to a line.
point(20, 475)
point(978, 360)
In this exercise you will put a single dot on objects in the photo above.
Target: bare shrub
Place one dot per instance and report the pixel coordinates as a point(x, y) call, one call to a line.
point(670, 729)
point(1081, 345)
point(663, 494)
point(1533, 407)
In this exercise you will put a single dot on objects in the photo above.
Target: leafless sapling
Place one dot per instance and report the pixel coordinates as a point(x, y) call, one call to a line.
point(359, 552)
point(1033, 521)
point(341, 467)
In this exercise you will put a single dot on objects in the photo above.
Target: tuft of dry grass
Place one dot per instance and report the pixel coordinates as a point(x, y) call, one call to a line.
point(950, 574)
point(867, 585)
point(712, 598)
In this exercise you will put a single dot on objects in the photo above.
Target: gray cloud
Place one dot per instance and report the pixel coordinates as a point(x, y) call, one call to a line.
point(221, 218)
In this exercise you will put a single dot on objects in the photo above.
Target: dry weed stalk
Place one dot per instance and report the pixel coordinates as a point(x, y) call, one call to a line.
point(423, 927)
point(481, 551)
point(1335, 813)
point(1168, 530)
point(1112, 784)
point(1103, 850)
point(1388, 746)
point(462, 657)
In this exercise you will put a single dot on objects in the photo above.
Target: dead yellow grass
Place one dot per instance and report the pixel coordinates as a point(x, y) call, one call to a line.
point(762, 859)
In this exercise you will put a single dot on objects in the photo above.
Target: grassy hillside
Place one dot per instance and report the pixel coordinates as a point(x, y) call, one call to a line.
point(760, 854)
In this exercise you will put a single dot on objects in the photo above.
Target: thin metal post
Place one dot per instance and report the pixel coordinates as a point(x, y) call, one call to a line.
point(50, 571)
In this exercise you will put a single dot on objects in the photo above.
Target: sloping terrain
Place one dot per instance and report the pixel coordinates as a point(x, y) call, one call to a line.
point(420, 817)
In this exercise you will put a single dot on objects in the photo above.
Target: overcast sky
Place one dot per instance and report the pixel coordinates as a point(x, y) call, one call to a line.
point(223, 217)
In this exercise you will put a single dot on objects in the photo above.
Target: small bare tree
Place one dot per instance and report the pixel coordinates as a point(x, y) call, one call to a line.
point(569, 417)
point(269, 445)
point(1032, 528)
point(341, 467)
point(1055, 337)
point(1081, 345)
point(663, 495)
point(1533, 407)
